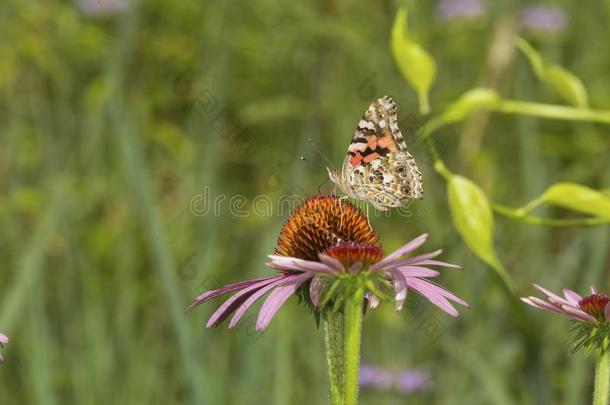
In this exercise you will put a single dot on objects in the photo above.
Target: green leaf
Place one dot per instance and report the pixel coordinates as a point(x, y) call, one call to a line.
point(473, 219)
point(470, 101)
point(579, 198)
point(415, 64)
point(565, 83)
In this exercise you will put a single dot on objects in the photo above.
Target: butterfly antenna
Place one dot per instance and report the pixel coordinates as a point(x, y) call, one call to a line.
point(313, 145)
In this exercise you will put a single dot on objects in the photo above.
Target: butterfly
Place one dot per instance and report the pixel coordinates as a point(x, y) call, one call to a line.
point(377, 167)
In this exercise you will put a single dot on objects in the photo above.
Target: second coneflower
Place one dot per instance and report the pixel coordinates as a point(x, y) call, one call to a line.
point(3, 340)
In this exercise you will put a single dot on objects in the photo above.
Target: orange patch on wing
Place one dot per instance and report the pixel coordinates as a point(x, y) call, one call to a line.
point(356, 159)
point(372, 142)
point(387, 142)
point(370, 157)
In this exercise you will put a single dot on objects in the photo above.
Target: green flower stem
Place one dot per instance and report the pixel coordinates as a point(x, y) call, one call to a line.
point(353, 331)
point(333, 337)
point(602, 379)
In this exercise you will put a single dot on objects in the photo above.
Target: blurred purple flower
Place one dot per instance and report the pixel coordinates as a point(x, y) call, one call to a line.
point(376, 377)
point(543, 18)
point(407, 381)
point(454, 9)
point(413, 380)
point(3, 341)
point(95, 8)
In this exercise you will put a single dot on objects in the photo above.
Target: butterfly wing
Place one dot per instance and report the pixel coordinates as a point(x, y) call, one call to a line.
point(378, 168)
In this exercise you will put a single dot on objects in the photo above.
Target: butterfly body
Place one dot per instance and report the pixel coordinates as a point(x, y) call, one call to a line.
point(377, 167)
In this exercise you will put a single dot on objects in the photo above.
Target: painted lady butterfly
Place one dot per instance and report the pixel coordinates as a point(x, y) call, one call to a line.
point(378, 168)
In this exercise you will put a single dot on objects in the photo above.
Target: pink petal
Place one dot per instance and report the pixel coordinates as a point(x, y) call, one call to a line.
point(445, 292)
point(572, 297)
point(550, 296)
point(439, 263)
point(208, 295)
point(414, 244)
point(593, 289)
point(400, 288)
point(355, 268)
point(293, 263)
point(372, 299)
point(237, 299)
point(315, 290)
point(252, 299)
point(425, 290)
point(276, 299)
point(411, 260)
point(331, 262)
point(545, 306)
point(578, 314)
point(4, 339)
point(414, 271)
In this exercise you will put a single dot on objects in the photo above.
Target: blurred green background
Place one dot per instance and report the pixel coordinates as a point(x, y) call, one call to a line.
point(118, 117)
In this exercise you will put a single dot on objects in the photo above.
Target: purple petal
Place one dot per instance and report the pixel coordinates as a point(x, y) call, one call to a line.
point(593, 289)
point(275, 300)
point(208, 295)
point(445, 292)
point(578, 314)
point(331, 262)
point(572, 297)
point(545, 306)
point(4, 339)
point(315, 290)
point(252, 299)
point(372, 300)
point(236, 300)
point(400, 288)
point(293, 263)
point(412, 260)
point(414, 244)
point(439, 263)
point(415, 271)
point(432, 294)
point(355, 268)
point(550, 296)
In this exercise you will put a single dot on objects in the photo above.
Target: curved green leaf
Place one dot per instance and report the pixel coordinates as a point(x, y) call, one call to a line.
point(565, 83)
point(473, 219)
point(415, 64)
point(579, 198)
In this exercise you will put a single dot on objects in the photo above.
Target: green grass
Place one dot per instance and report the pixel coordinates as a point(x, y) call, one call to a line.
point(109, 128)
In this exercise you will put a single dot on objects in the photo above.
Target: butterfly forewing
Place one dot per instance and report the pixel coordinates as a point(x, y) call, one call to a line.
point(378, 168)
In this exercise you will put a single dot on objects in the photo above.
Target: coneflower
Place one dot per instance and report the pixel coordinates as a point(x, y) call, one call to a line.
point(329, 247)
point(591, 317)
